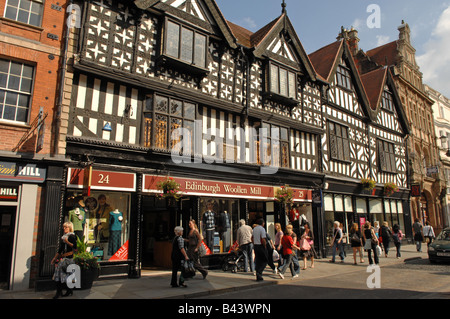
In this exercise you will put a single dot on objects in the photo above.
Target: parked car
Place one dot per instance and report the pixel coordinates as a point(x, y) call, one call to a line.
point(439, 249)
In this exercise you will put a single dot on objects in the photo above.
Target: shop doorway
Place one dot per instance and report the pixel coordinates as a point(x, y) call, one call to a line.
point(7, 224)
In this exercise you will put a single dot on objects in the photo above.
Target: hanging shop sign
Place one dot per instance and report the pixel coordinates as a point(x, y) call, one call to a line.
point(101, 180)
point(22, 172)
point(198, 187)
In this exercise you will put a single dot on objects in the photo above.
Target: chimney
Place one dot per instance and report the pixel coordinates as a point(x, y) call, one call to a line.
point(352, 39)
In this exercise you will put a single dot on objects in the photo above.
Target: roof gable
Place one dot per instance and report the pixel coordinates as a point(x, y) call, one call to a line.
point(375, 83)
point(205, 13)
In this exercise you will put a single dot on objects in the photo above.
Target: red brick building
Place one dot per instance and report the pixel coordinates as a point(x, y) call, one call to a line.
point(32, 43)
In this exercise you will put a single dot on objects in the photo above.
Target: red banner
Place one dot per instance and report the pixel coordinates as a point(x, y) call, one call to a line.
point(199, 187)
point(102, 180)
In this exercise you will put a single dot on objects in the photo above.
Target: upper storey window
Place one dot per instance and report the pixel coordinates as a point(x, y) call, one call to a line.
point(343, 77)
point(283, 81)
point(26, 11)
point(387, 101)
point(16, 82)
point(185, 44)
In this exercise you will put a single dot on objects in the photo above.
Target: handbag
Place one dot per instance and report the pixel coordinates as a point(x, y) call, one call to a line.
point(304, 245)
point(378, 249)
point(189, 268)
point(275, 255)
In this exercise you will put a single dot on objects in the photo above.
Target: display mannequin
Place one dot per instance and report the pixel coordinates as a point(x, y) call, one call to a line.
point(101, 230)
point(209, 225)
point(224, 229)
point(115, 231)
point(78, 217)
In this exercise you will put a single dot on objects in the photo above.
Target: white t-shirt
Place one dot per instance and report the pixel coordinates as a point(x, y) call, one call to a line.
point(258, 233)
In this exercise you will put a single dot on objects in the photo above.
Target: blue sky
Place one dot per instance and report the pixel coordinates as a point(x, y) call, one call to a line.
point(318, 23)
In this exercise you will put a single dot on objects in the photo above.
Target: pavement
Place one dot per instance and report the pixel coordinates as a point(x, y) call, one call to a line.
point(156, 284)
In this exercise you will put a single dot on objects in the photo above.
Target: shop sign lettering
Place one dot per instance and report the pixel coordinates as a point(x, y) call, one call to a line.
point(22, 172)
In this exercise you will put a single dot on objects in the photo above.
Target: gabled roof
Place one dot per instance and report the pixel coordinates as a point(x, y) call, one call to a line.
point(207, 5)
point(385, 54)
point(374, 83)
point(261, 39)
point(326, 61)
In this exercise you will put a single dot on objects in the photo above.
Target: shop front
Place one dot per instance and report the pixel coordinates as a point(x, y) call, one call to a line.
point(99, 204)
point(21, 186)
point(359, 207)
point(216, 207)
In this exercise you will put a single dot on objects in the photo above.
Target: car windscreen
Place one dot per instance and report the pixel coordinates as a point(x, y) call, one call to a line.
point(444, 235)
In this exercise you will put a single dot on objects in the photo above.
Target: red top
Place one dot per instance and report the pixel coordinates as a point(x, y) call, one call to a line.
point(287, 243)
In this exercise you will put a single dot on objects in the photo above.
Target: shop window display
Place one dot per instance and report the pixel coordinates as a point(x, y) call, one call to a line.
point(102, 219)
point(219, 219)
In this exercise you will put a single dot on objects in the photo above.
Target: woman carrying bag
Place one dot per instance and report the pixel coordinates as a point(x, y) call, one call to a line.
point(194, 246)
point(307, 246)
point(371, 242)
point(63, 258)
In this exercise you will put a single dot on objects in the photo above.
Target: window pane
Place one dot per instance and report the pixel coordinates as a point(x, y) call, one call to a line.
point(176, 108)
point(25, 86)
point(23, 16)
point(274, 79)
point(200, 50)
point(22, 114)
point(161, 104)
point(189, 111)
point(10, 113)
point(16, 68)
point(187, 40)
point(25, 4)
point(11, 13)
point(14, 82)
point(173, 39)
point(292, 89)
point(283, 82)
point(35, 19)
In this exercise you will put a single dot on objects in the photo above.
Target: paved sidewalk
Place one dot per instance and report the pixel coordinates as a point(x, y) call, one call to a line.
point(155, 284)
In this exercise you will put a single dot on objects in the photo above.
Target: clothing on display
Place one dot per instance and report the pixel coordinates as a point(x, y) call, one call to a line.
point(115, 231)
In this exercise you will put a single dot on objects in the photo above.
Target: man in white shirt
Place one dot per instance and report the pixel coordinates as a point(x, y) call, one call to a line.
point(244, 240)
point(259, 245)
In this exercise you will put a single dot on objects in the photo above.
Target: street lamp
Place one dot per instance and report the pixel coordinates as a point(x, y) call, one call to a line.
point(444, 140)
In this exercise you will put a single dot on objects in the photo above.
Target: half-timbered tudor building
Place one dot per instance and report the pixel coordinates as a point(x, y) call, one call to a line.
point(169, 88)
point(365, 139)
point(424, 170)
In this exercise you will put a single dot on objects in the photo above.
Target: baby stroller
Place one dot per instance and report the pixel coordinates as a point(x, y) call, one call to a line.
point(234, 261)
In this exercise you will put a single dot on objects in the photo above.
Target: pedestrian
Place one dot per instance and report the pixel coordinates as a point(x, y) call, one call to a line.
point(307, 246)
point(356, 242)
point(244, 240)
point(259, 247)
point(370, 242)
point(193, 251)
point(386, 235)
point(278, 237)
point(417, 234)
point(270, 248)
point(397, 238)
point(289, 247)
point(63, 258)
point(428, 233)
point(178, 255)
point(295, 250)
point(376, 228)
point(336, 243)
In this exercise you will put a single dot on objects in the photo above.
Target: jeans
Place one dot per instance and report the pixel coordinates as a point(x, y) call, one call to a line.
point(397, 245)
point(375, 255)
point(247, 249)
point(340, 247)
point(419, 245)
point(288, 262)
